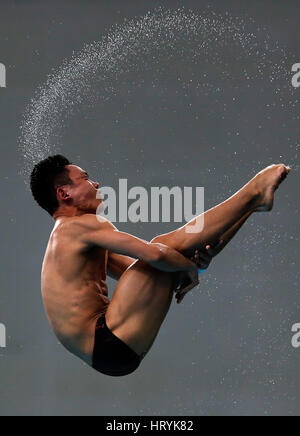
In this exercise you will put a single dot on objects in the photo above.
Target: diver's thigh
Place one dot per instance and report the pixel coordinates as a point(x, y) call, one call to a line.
point(139, 305)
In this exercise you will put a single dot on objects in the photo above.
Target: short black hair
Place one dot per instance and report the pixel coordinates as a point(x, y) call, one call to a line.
point(45, 178)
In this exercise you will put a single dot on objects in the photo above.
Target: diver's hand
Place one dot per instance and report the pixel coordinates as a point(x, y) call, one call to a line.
point(203, 257)
point(188, 281)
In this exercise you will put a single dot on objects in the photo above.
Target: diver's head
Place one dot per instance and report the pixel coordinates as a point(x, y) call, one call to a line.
point(62, 188)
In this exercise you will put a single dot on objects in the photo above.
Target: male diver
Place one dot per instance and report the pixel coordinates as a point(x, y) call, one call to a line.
point(113, 336)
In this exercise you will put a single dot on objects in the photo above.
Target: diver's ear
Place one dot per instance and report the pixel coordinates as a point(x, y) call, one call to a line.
point(62, 193)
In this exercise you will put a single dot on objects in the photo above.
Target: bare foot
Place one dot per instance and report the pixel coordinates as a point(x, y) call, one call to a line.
point(266, 182)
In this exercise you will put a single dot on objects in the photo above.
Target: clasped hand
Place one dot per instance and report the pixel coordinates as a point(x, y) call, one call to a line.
point(202, 259)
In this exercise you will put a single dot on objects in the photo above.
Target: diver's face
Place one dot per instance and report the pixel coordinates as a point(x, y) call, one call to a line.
point(83, 191)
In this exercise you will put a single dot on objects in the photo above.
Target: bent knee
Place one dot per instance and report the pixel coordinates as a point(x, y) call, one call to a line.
point(169, 240)
point(161, 239)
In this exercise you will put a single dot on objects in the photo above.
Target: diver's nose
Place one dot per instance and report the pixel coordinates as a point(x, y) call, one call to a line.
point(96, 184)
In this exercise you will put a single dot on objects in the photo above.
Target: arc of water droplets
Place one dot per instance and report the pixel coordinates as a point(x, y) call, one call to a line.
point(104, 61)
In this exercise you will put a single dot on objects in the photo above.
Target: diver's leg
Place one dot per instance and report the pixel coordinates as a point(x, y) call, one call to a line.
point(143, 294)
point(208, 228)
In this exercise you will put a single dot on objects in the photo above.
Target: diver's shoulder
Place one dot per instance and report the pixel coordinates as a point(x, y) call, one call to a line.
point(78, 224)
point(89, 221)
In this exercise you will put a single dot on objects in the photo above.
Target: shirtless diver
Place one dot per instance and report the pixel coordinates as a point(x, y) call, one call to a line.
point(113, 336)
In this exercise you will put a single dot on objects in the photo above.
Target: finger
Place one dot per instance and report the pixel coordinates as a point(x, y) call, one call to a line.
point(187, 288)
point(189, 283)
point(216, 246)
point(192, 285)
point(212, 251)
point(221, 241)
point(180, 298)
point(204, 262)
point(202, 266)
point(204, 256)
point(180, 294)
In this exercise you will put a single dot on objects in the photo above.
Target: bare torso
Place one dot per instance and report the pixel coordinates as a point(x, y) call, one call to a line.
point(74, 288)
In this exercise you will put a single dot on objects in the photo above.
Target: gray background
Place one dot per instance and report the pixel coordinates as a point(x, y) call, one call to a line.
point(227, 349)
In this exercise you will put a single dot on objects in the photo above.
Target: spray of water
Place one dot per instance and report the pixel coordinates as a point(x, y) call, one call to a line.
point(158, 38)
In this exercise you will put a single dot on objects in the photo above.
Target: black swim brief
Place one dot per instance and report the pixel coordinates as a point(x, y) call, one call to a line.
point(112, 356)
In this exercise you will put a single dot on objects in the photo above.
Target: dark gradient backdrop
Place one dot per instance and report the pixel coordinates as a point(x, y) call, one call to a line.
point(227, 349)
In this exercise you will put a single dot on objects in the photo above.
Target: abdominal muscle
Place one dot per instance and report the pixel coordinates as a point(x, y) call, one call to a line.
point(73, 316)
